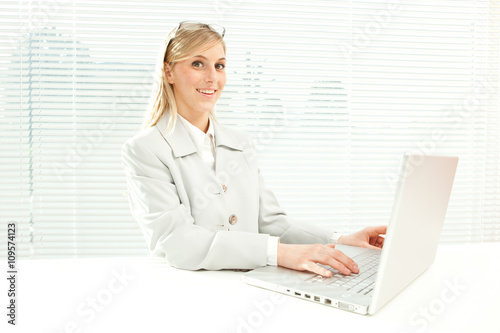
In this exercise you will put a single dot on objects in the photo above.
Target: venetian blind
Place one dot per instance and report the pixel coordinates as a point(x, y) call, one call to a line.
point(333, 93)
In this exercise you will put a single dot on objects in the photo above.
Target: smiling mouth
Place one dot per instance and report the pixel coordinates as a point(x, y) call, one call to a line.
point(206, 91)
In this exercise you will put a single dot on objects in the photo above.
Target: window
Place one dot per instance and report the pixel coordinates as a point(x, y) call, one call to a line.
point(332, 92)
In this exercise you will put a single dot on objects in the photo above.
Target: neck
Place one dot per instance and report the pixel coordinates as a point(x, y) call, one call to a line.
point(202, 122)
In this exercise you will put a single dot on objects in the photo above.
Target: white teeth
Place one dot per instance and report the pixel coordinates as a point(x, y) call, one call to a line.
point(206, 91)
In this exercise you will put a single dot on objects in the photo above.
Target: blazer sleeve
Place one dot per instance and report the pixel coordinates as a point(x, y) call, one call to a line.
point(170, 229)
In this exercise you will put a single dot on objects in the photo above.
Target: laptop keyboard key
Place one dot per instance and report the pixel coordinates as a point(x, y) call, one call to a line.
point(360, 283)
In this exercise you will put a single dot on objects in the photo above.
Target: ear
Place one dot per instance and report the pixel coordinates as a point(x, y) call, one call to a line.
point(168, 73)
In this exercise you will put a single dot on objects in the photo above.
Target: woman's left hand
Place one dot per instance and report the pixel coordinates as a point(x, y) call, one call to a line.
point(368, 237)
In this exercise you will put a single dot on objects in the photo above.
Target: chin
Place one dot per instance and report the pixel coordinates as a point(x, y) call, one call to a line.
point(207, 109)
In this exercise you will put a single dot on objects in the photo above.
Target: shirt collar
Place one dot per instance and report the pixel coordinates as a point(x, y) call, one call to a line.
point(197, 135)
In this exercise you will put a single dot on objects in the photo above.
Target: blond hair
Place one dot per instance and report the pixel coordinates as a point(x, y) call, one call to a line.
point(182, 46)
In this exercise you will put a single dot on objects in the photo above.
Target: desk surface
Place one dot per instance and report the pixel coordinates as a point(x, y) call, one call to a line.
point(459, 293)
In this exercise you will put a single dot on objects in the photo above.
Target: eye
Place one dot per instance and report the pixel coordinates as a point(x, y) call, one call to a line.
point(197, 64)
point(220, 66)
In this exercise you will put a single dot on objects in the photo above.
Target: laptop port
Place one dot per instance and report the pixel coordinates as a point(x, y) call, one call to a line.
point(297, 293)
point(307, 296)
point(328, 301)
point(316, 298)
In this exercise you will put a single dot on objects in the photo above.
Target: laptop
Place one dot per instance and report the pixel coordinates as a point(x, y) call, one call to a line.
point(418, 212)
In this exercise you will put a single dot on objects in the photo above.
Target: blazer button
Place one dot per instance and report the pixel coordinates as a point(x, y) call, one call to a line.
point(233, 219)
point(224, 187)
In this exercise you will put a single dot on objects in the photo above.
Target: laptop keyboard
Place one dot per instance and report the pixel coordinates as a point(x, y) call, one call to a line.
point(361, 283)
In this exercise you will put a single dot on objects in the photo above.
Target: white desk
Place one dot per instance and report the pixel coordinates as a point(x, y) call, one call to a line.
point(84, 295)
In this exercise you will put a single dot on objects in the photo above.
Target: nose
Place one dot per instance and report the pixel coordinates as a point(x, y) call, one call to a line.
point(211, 75)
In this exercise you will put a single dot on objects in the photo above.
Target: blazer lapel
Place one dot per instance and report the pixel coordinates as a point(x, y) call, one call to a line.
point(225, 139)
point(178, 138)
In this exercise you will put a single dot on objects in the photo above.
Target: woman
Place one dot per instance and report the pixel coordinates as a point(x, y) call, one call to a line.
point(194, 186)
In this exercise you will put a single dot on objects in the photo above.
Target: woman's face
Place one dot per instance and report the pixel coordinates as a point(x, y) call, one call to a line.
point(198, 82)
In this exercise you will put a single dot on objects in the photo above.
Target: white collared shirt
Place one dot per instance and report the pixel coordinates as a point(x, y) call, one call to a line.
point(205, 144)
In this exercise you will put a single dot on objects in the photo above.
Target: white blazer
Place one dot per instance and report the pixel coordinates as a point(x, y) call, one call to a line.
point(200, 219)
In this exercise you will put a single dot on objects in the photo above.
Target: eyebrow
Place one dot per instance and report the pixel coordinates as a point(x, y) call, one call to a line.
point(200, 56)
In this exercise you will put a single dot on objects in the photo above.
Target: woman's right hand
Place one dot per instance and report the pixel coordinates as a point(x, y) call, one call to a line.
point(305, 257)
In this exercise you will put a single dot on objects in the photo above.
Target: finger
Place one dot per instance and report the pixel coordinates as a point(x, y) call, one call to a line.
point(342, 262)
point(346, 260)
point(337, 265)
point(380, 241)
point(312, 267)
point(325, 255)
point(332, 245)
point(369, 246)
point(381, 229)
point(377, 241)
